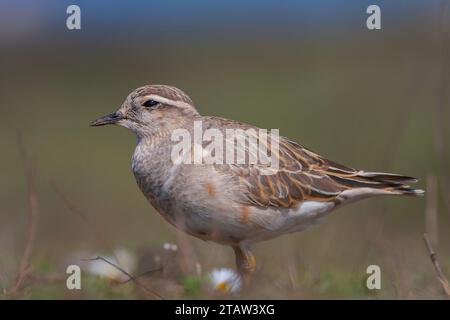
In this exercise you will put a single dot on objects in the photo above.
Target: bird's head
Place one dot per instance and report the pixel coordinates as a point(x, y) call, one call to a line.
point(152, 109)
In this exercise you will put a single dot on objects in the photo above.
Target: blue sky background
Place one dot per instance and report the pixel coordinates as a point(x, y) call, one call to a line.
point(25, 19)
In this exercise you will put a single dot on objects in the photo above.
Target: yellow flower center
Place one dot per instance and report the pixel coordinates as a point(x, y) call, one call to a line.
point(223, 286)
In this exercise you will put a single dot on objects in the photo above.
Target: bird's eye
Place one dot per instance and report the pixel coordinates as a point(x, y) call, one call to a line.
point(150, 103)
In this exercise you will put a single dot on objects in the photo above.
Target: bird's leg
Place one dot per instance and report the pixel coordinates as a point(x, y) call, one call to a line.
point(245, 262)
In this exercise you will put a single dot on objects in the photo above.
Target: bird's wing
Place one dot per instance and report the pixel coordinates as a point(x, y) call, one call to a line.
point(301, 174)
point(304, 175)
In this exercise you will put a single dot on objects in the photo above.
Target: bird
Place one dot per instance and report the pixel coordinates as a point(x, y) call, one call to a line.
point(236, 204)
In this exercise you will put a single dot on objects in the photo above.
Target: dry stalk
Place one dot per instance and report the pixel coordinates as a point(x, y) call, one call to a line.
point(130, 277)
point(25, 261)
point(440, 275)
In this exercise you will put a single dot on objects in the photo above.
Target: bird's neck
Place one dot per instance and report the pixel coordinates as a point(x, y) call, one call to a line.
point(151, 164)
point(152, 161)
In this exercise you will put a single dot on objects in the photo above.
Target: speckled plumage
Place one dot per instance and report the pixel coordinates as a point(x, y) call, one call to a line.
point(235, 204)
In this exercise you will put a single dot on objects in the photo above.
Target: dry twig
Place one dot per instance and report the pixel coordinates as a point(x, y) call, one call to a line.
point(130, 277)
point(441, 277)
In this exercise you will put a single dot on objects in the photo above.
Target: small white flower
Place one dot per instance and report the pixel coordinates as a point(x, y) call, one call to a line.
point(170, 246)
point(224, 280)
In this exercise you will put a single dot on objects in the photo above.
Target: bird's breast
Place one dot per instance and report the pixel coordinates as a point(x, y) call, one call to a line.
point(152, 169)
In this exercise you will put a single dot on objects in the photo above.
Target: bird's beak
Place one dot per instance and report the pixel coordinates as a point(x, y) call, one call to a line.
point(111, 118)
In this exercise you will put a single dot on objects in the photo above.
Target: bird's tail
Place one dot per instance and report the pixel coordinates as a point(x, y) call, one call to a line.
point(370, 184)
point(391, 183)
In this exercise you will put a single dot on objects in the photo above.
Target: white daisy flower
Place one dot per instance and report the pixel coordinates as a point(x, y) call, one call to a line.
point(224, 281)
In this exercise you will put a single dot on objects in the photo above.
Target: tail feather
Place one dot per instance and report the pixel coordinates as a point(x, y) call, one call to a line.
point(389, 177)
point(392, 183)
point(370, 184)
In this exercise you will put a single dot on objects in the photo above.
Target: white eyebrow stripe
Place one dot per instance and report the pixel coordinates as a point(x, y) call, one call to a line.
point(180, 104)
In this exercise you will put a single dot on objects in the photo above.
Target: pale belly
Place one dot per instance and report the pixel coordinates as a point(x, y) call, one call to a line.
point(231, 226)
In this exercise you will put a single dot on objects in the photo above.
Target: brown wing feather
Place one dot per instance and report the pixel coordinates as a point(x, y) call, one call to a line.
point(305, 175)
point(302, 175)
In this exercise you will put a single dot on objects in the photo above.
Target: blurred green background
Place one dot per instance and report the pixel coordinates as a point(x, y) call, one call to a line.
point(367, 99)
